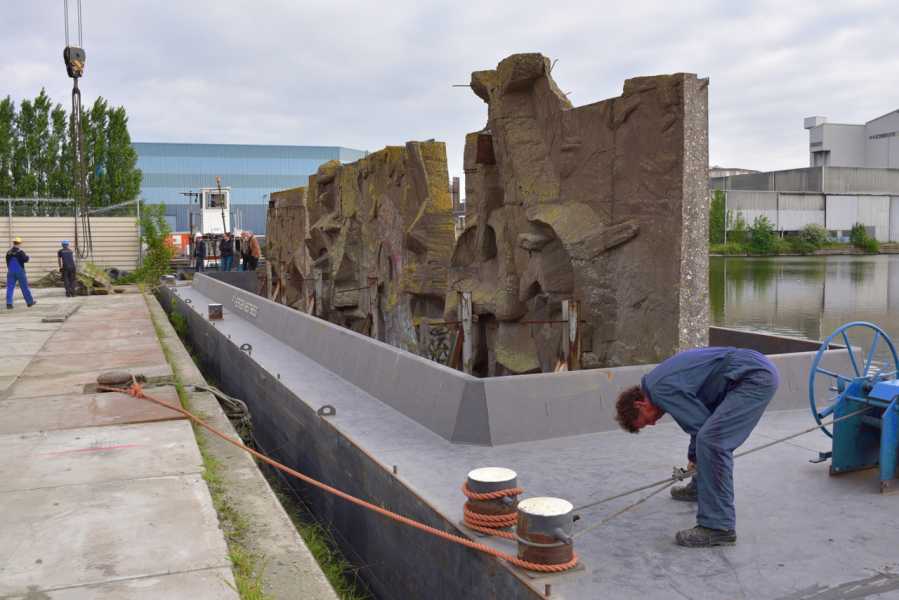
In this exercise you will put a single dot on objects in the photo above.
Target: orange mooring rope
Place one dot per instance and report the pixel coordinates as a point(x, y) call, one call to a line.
point(137, 391)
point(494, 525)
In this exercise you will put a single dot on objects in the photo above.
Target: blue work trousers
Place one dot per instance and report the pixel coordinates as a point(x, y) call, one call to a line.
point(724, 431)
point(16, 274)
point(227, 262)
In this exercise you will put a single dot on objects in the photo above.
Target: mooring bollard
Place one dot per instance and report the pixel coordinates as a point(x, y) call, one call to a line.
point(544, 530)
point(492, 494)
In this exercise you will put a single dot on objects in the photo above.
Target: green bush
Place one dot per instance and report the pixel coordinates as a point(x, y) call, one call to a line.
point(762, 237)
point(739, 232)
point(814, 236)
point(799, 245)
point(730, 248)
point(716, 218)
point(155, 236)
point(859, 238)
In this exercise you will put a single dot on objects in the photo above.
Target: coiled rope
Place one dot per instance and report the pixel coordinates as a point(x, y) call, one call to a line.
point(495, 525)
point(137, 391)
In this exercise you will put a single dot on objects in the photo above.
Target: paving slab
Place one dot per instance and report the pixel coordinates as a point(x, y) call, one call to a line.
point(49, 365)
point(97, 454)
point(83, 410)
point(93, 533)
point(130, 341)
point(207, 584)
point(36, 385)
point(13, 365)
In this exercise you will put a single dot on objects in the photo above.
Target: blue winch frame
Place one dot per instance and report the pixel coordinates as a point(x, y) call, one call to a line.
point(870, 438)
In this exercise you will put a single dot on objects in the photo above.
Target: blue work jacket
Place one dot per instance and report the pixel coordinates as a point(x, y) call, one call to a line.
point(690, 385)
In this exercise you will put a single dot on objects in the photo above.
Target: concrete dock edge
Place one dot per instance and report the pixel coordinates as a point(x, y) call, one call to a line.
point(290, 571)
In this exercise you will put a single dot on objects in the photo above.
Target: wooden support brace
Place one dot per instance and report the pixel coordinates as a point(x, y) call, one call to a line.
point(466, 321)
point(571, 342)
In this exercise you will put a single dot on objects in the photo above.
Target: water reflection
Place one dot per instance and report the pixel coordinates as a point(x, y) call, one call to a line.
point(805, 296)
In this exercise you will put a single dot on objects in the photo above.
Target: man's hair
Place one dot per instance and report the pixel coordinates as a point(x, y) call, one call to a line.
point(626, 408)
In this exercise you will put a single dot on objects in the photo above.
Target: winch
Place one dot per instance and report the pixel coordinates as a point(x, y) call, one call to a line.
point(865, 401)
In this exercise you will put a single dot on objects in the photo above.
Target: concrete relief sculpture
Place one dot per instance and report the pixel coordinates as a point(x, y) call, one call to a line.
point(376, 243)
point(585, 237)
point(285, 248)
point(604, 205)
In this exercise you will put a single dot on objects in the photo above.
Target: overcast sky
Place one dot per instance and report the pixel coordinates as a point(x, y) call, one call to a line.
point(369, 74)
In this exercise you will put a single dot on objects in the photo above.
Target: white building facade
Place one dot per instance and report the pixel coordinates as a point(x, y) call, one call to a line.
point(874, 145)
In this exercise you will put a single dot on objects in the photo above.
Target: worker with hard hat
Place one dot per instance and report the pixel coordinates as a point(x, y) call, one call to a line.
point(66, 258)
point(15, 273)
point(199, 252)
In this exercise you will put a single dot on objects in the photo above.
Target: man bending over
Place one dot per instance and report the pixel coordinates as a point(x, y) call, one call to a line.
point(717, 395)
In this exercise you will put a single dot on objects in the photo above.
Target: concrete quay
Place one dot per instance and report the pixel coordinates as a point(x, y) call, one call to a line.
point(103, 495)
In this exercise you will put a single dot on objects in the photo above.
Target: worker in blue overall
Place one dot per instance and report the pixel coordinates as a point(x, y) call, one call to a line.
point(717, 395)
point(15, 273)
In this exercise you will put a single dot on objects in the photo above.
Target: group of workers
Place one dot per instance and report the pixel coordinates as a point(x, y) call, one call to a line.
point(248, 248)
point(16, 275)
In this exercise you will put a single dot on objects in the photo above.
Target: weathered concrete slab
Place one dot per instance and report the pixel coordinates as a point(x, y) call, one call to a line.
point(62, 313)
point(130, 341)
point(208, 584)
point(50, 365)
point(11, 366)
point(138, 330)
point(290, 569)
point(35, 384)
point(93, 533)
point(83, 410)
point(97, 454)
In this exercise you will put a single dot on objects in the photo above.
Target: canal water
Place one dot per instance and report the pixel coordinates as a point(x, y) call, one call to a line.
point(807, 297)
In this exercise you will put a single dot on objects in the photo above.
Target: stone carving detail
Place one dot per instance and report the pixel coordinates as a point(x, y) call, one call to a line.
point(376, 243)
point(605, 204)
point(285, 249)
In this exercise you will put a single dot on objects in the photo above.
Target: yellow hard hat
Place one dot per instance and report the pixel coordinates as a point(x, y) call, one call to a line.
point(17, 240)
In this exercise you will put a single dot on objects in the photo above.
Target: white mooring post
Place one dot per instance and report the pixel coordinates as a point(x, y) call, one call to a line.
point(465, 322)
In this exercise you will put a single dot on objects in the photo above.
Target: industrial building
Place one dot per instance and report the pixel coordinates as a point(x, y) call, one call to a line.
point(874, 145)
point(853, 178)
point(251, 171)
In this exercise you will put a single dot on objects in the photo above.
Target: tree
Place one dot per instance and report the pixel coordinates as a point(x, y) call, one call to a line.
point(37, 156)
point(8, 140)
point(95, 125)
point(762, 237)
point(59, 178)
point(123, 178)
point(716, 218)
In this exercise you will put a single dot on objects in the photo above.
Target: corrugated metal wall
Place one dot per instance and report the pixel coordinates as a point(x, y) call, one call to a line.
point(751, 205)
point(798, 210)
point(842, 212)
point(894, 220)
point(873, 211)
point(836, 212)
point(115, 241)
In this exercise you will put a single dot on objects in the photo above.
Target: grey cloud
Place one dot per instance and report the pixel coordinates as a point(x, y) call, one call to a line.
point(365, 74)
